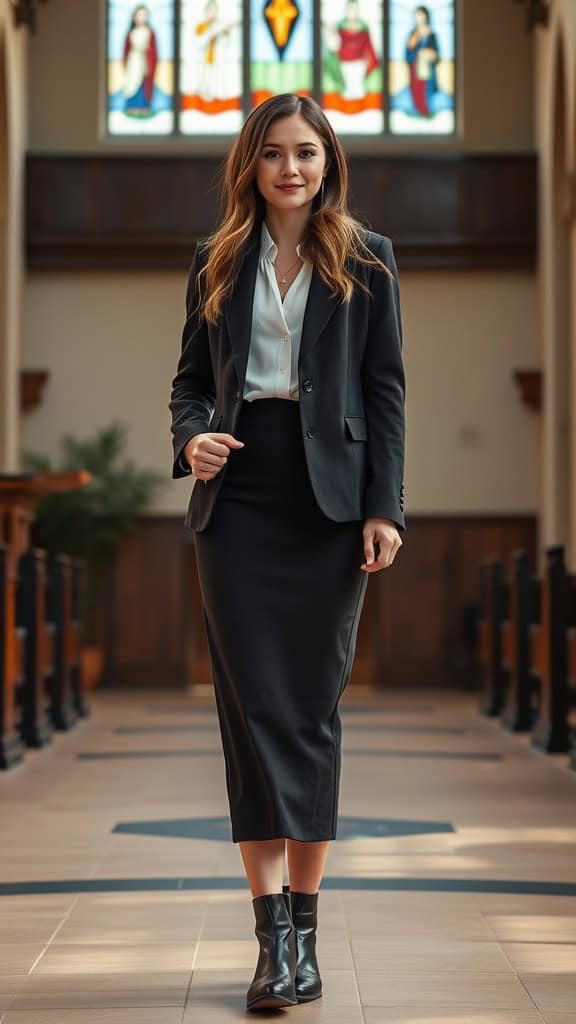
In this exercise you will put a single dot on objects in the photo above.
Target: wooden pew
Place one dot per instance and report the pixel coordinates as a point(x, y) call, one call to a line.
point(19, 495)
point(494, 598)
point(65, 683)
point(11, 747)
point(35, 727)
point(79, 691)
point(519, 713)
point(571, 642)
point(548, 656)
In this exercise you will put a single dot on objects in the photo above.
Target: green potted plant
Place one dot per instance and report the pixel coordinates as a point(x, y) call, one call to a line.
point(90, 521)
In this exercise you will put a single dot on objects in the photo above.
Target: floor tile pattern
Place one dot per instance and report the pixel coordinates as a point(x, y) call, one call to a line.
point(449, 896)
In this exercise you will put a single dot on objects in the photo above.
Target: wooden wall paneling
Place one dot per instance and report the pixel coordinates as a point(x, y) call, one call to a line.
point(149, 607)
point(409, 631)
point(473, 210)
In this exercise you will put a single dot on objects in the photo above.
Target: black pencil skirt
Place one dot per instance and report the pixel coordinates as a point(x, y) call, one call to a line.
point(282, 592)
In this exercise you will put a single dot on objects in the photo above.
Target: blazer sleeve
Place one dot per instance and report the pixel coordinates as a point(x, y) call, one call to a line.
point(193, 390)
point(384, 390)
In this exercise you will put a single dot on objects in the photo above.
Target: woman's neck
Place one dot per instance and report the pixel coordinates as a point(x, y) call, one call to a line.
point(286, 229)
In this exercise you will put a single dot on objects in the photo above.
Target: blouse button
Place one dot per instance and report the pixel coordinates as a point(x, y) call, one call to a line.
point(285, 337)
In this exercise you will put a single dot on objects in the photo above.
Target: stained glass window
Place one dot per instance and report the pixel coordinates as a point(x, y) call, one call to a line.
point(196, 68)
point(140, 67)
point(421, 67)
point(281, 48)
point(352, 65)
point(211, 66)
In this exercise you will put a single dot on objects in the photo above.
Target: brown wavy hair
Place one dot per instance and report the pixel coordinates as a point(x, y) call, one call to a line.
point(333, 237)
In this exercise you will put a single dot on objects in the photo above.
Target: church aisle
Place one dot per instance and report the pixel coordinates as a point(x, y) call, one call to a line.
point(449, 896)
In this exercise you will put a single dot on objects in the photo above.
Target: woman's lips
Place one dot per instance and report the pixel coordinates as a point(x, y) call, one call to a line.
point(289, 188)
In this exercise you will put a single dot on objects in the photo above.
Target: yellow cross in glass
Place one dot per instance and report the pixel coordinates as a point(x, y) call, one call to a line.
point(280, 15)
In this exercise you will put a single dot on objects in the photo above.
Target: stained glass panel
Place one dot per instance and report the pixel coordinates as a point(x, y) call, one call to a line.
point(140, 67)
point(352, 65)
point(281, 48)
point(421, 69)
point(211, 66)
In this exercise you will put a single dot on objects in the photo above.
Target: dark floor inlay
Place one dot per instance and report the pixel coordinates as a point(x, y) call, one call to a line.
point(436, 755)
point(346, 709)
point(219, 828)
point(480, 885)
point(157, 730)
point(129, 755)
point(413, 730)
point(180, 709)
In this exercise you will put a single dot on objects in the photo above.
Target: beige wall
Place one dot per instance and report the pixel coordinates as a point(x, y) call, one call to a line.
point(13, 122)
point(111, 341)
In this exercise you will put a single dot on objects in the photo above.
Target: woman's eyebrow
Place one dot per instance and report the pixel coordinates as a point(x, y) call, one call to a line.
point(278, 145)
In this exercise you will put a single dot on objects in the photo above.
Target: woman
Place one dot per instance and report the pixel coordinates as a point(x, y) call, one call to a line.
point(351, 56)
point(293, 343)
point(422, 55)
point(140, 60)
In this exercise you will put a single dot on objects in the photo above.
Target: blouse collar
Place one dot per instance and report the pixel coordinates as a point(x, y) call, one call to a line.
point(268, 247)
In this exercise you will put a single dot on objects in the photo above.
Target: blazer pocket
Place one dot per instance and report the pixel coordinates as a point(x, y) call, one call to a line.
point(357, 427)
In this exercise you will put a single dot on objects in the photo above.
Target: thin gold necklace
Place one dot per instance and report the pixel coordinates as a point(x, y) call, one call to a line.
point(286, 272)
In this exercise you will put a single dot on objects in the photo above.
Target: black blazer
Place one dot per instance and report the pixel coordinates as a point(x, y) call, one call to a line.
point(351, 384)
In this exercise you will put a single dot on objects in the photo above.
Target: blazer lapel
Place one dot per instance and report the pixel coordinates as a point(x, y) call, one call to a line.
point(320, 306)
point(238, 309)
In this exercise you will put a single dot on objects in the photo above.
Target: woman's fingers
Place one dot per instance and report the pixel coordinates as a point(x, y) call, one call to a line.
point(209, 455)
point(387, 548)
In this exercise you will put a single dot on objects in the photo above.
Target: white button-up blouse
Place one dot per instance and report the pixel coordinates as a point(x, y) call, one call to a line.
point(272, 370)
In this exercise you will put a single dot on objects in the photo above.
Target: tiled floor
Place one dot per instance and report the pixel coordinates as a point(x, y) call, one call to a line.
point(449, 896)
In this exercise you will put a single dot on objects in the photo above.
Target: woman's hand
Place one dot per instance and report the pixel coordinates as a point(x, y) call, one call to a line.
point(207, 453)
point(383, 532)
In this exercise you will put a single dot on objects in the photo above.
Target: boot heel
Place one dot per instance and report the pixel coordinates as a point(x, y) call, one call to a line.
point(273, 983)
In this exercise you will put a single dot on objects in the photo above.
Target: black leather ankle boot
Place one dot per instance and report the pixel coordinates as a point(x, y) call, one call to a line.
point(305, 919)
point(273, 982)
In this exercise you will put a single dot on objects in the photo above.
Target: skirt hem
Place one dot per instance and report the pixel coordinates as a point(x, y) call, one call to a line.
point(283, 834)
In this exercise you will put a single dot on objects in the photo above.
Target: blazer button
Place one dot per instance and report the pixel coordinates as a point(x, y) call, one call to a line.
point(310, 432)
point(307, 385)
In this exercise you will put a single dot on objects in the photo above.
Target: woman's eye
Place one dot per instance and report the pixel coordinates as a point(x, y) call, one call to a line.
point(306, 153)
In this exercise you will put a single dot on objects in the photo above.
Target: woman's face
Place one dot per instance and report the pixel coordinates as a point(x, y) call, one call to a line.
point(292, 154)
point(421, 19)
point(352, 10)
point(141, 16)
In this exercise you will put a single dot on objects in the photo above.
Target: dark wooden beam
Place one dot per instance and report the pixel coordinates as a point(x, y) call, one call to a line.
point(530, 385)
point(145, 212)
point(536, 13)
point(25, 12)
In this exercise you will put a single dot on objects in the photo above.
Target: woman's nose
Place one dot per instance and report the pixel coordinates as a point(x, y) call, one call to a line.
point(289, 166)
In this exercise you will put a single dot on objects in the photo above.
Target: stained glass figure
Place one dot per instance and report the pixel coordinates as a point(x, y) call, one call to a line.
point(140, 67)
point(421, 67)
point(211, 66)
point(281, 47)
point(352, 65)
